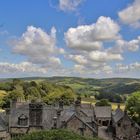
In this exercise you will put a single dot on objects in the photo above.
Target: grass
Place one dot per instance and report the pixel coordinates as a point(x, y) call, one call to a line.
point(93, 101)
point(2, 95)
point(54, 135)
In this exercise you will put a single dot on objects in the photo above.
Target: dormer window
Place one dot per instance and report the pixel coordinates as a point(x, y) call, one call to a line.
point(23, 120)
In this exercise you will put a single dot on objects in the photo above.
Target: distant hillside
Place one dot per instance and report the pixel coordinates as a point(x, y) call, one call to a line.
point(91, 85)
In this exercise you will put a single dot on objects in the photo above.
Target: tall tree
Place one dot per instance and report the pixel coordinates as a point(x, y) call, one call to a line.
point(133, 106)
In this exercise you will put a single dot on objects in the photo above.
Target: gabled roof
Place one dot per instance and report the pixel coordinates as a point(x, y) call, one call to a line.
point(3, 123)
point(83, 121)
point(88, 112)
point(86, 119)
point(117, 115)
point(66, 115)
point(87, 106)
point(103, 111)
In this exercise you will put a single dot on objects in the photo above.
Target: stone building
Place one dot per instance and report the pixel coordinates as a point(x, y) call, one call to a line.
point(26, 117)
point(84, 119)
point(123, 126)
point(103, 115)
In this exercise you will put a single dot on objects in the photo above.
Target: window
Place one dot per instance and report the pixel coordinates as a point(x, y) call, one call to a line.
point(119, 124)
point(81, 131)
point(132, 124)
point(23, 120)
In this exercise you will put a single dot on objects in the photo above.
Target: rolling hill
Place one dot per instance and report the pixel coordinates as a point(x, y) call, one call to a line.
point(91, 85)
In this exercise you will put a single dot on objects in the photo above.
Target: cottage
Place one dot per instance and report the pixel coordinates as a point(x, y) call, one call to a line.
point(123, 126)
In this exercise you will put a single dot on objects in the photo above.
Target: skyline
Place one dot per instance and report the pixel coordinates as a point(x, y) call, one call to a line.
point(83, 38)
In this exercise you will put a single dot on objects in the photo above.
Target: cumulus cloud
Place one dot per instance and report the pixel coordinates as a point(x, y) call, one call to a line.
point(80, 59)
point(90, 37)
point(122, 46)
point(95, 68)
point(104, 56)
point(131, 14)
point(86, 43)
point(128, 68)
point(69, 5)
point(94, 62)
point(23, 67)
point(38, 46)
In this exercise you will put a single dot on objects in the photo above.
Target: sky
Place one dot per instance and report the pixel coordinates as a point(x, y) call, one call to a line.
point(82, 38)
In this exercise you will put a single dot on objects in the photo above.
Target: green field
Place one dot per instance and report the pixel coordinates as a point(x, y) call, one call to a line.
point(93, 101)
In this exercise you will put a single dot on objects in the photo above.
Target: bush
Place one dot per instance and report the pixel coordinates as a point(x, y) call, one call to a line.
point(53, 135)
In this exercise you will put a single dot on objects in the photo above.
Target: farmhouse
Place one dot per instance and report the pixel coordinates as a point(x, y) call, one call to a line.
point(84, 119)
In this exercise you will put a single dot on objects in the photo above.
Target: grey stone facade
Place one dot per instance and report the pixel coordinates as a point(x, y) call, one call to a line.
point(124, 127)
point(83, 119)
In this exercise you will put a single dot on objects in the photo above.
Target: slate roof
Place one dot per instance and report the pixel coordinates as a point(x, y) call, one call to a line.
point(83, 121)
point(66, 115)
point(87, 106)
point(15, 113)
point(117, 115)
point(86, 119)
point(103, 111)
point(88, 112)
point(48, 114)
point(3, 123)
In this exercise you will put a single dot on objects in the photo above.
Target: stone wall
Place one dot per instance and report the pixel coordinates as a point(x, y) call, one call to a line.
point(125, 128)
point(76, 126)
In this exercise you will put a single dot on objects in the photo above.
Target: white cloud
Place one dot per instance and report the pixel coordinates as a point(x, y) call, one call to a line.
point(131, 14)
point(122, 46)
point(90, 37)
point(23, 67)
point(69, 5)
point(86, 43)
point(104, 56)
point(128, 68)
point(38, 46)
point(96, 68)
point(80, 59)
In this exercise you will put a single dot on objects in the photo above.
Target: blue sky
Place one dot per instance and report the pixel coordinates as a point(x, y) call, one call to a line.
point(86, 38)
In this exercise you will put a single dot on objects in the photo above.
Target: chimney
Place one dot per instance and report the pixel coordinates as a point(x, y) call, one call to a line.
point(13, 103)
point(78, 104)
point(61, 104)
point(58, 118)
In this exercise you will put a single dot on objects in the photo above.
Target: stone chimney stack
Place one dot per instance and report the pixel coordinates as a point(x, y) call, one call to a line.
point(61, 104)
point(58, 118)
point(13, 103)
point(78, 104)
